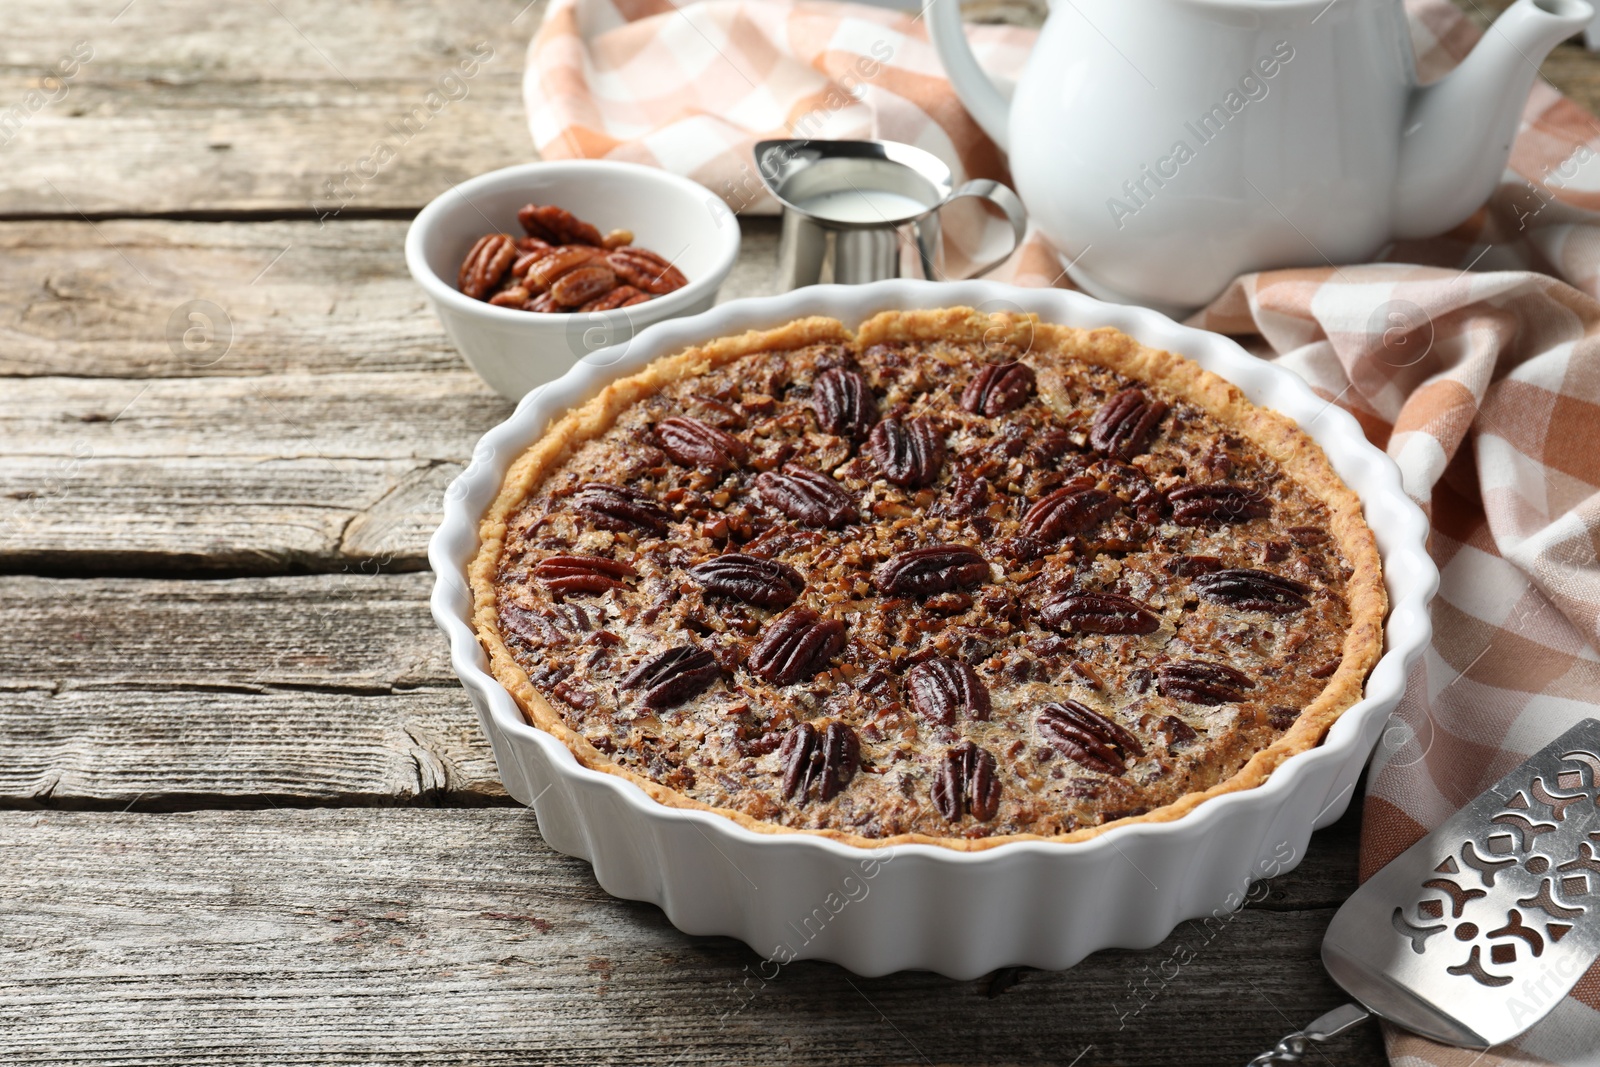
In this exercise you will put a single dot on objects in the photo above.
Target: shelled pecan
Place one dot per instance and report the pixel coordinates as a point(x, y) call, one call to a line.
point(844, 403)
point(910, 453)
point(998, 388)
point(545, 271)
point(1199, 682)
point(692, 443)
point(557, 225)
point(527, 257)
point(929, 570)
point(569, 574)
point(1254, 590)
point(1216, 505)
point(623, 510)
point(582, 284)
point(671, 677)
point(1174, 733)
point(942, 688)
point(1124, 423)
point(564, 264)
point(1068, 510)
point(486, 264)
point(807, 496)
point(622, 296)
point(820, 761)
point(645, 270)
point(766, 583)
point(1099, 613)
point(796, 646)
point(1085, 736)
point(514, 296)
point(967, 780)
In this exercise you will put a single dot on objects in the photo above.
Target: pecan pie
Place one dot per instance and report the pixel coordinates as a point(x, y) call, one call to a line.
point(952, 578)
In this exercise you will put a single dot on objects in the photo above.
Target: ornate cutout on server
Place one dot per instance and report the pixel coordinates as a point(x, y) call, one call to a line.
point(1506, 894)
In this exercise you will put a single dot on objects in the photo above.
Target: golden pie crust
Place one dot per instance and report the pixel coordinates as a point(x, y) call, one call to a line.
point(1272, 435)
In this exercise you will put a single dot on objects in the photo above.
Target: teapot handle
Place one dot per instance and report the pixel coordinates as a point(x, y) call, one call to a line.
point(986, 104)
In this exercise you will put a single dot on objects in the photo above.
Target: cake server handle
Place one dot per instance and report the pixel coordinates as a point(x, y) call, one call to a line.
point(1293, 1048)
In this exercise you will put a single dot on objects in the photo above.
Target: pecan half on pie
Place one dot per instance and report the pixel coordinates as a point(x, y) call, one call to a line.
point(953, 578)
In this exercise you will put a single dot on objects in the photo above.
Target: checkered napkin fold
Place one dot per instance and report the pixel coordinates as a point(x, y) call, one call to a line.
point(1473, 358)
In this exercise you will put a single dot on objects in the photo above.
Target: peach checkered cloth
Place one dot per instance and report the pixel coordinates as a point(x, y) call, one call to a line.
point(1473, 358)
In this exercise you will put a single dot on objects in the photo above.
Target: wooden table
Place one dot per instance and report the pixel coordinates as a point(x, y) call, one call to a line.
point(248, 815)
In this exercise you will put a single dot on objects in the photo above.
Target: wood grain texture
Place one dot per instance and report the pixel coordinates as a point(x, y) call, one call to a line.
point(112, 299)
point(314, 690)
point(246, 474)
point(193, 106)
point(356, 632)
point(195, 747)
point(285, 449)
point(458, 937)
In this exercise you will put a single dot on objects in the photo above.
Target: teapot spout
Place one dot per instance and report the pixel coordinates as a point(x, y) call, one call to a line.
point(1458, 131)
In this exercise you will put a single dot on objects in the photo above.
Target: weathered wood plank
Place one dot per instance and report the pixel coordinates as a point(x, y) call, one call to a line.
point(192, 517)
point(321, 689)
point(112, 299)
point(188, 105)
point(458, 937)
point(258, 474)
point(357, 631)
point(183, 42)
point(321, 436)
point(254, 746)
point(328, 418)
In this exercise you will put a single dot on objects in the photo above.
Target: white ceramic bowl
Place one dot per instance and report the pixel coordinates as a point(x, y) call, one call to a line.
point(963, 914)
point(515, 351)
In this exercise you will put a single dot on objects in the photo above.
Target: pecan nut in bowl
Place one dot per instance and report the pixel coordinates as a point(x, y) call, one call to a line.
point(993, 753)
point(486, 264)
point(557, 226)
point(518, 333)
point(566, 258)
point(644, 270)
point(556, 264)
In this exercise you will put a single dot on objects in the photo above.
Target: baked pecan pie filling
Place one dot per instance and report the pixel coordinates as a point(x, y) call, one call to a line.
point(958, 587)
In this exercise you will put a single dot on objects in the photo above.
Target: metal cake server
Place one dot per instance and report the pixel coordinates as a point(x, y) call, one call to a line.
point(1477, 931)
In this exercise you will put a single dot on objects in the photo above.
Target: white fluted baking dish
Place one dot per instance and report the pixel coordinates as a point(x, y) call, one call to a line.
point(963, 914)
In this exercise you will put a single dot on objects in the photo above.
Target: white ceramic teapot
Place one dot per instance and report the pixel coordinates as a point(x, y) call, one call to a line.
point(1166, 146)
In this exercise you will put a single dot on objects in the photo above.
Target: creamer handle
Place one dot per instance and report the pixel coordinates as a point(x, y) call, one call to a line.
point(1001, 197)
point(984, 102)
